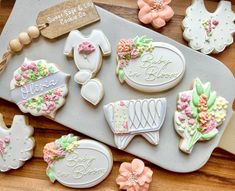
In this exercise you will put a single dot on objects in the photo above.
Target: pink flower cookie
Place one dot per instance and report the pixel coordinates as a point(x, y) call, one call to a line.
point(156, 12)
point(134, 176)
point(39, 88)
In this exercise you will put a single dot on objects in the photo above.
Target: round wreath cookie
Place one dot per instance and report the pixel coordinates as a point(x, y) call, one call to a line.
point(199, 112)
point(39, 88)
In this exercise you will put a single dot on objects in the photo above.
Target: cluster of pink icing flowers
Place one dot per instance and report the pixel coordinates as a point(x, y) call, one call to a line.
point(32, 71)
point(86, 48)
point(209, 25)
point(186, 110)
point(46, 103)
point(134, 176)
point(3, 143)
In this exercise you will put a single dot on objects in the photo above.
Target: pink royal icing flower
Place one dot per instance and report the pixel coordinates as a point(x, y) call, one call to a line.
point(134, 176)
point(86, 48)
point(157, 12)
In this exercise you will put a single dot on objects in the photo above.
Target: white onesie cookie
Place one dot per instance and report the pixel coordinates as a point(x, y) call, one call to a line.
point(88, 52)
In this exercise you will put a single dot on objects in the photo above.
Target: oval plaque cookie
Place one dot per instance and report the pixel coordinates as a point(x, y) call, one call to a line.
point(77, 163)
point(149, 66)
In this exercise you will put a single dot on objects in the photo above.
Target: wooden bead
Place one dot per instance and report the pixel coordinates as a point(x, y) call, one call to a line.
point(15, 45)
point(33, 32)
point(24, 38)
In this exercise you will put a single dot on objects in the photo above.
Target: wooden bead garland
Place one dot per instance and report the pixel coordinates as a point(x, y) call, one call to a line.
point(16, 45)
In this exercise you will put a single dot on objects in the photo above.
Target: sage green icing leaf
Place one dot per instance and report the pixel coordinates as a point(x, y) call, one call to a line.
point(50, 173)
point(196, 136)
point(121, 75)
point(210, 135)
point(211, 100)
point(207, 90)
point(199, 87)
point(195, 98)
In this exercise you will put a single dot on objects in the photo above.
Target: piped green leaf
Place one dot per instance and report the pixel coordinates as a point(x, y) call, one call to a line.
point(211, 100)
point(121, 75)
point(210, 135)
point(207, 90)
point(195, 98)
point(199, 87)
point(50, 173)
point(194, 109)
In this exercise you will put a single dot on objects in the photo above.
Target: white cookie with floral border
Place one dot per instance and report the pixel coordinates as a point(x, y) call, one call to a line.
point(39, 88)
point(209, 32)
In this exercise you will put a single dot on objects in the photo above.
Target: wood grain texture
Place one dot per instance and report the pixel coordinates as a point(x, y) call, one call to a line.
point(218, 174)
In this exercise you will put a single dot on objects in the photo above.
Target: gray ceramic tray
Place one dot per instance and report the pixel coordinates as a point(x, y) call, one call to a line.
point(82, 117)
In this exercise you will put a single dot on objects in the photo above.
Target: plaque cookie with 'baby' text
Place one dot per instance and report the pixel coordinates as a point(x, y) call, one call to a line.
point(77, 163)
point(39, 88)
point(149, 66)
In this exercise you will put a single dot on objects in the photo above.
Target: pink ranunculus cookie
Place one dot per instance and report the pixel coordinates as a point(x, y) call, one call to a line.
point(156, 12)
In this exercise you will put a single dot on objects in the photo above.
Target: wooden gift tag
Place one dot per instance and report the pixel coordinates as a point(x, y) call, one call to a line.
point(67, 16)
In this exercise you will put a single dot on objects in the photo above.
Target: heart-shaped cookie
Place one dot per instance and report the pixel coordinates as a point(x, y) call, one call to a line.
point(93, 91)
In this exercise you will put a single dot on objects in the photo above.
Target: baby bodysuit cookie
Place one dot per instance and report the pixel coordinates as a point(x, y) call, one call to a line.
point(39, 88)
point(209, 32)
point(16, 143)
point(77, 163)
point(149, 66)
point(128, 118)
point(199, 112)
point(87, 52)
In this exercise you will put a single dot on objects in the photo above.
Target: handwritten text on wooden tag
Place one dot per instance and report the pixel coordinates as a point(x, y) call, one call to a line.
point(67, 16)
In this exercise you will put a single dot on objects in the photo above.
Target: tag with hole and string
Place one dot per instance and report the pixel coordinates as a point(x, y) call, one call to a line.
point(67, 16)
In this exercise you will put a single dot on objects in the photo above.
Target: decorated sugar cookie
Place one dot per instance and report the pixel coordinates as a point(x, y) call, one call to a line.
point(156, 12)
point(199, 112)
point(149, 66)
point(134, 176)
point(77, 163)
point(88, 52)
point(16, 143)
point(128, 118)
point(209, 32)
point(39, 88)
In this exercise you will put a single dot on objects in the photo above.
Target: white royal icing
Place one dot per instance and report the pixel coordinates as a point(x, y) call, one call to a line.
point(88, 52)
point(82, 164)
point(161, 66)
point(209, 32)
point(129, 118)
point(16, 143)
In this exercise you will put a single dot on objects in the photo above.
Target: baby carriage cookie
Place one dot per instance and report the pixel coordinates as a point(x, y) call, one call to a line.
point(87, 52)
point(128, 118)
point(39, 88)
point(199, 112)
point(16, 143)
point(209, 32)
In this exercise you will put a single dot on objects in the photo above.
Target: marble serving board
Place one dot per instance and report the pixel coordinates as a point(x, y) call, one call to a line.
point(89, 120)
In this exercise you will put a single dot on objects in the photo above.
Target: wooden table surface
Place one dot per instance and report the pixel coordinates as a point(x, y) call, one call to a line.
point(217, 174)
